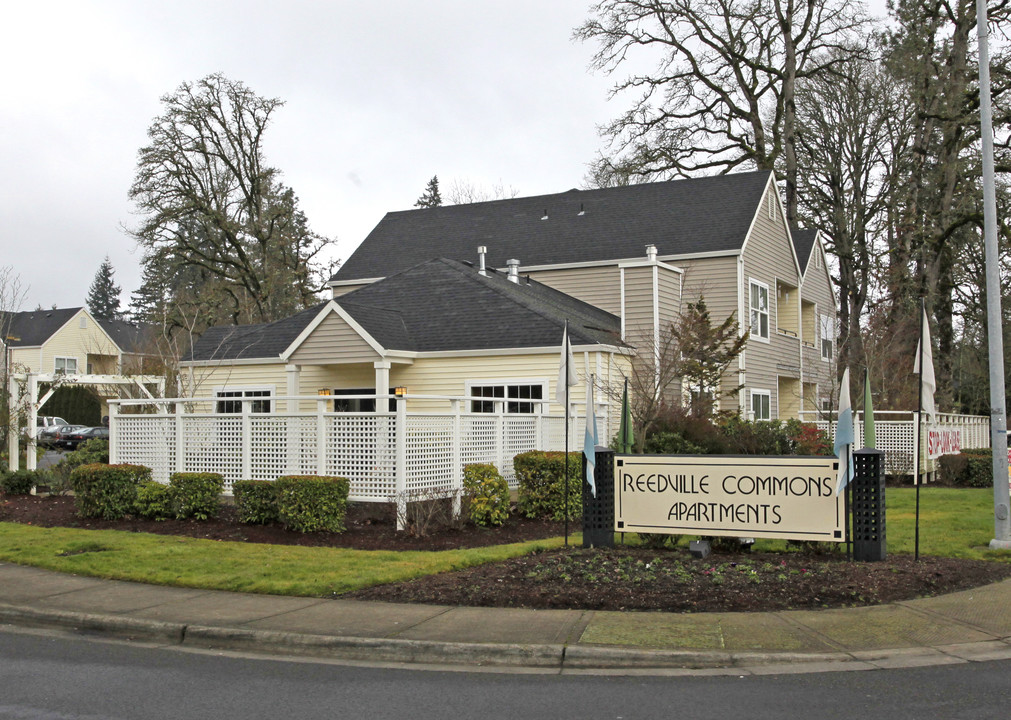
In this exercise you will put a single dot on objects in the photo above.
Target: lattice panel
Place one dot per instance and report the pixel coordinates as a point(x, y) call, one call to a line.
point(519, 436)
point(429, 453)
point(282, 445)
point(149, 441)
point(479, 440)
point(213, 443)
point(363, 448)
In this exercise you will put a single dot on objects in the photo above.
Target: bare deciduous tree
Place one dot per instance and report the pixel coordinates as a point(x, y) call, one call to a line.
point(721, 91)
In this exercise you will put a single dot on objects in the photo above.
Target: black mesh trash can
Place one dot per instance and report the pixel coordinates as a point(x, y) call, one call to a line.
point(868, 505)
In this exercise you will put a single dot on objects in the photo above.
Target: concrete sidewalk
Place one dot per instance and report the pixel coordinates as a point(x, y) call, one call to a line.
point(974, 625)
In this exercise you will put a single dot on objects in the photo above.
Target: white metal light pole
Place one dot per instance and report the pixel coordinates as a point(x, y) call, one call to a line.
point(998, 411)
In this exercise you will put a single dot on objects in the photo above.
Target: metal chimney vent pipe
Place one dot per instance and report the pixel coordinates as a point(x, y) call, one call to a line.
point(651, 252)
point(481, 252)
point(514, 270)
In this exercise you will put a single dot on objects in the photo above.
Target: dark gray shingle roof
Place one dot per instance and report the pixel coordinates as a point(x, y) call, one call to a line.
point(131, 337)
point(438, 306)
point(803, 242)
point(680, 217)
point(34, 327)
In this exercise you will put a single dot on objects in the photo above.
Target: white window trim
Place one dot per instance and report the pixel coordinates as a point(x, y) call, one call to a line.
point(540, 405)
point(271, 391)
point(751, 403)
point(768, 310)
point(77, 366)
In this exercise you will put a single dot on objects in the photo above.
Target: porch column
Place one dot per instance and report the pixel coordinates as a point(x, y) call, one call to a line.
point(382, 380)
point(293, 374)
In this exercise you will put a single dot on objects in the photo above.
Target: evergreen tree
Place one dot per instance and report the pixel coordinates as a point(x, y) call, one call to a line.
point(103, 296)
point(431, 197)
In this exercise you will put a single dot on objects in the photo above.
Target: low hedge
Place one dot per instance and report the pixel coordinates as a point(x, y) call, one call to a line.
point(107, 491)
point(196, 495)
point(541, 478)
point(21, 482)
point(256, 501)
point(969, 468)
point(487, 494)
point(312, 503)
point(154, 501)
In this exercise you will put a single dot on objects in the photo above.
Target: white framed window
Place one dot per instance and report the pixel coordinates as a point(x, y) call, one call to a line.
point(352, 405)
point(65, 366)
point(517, 397)
point(759, 303)
point(761, 405)
point(230, 399)
point(827, 337)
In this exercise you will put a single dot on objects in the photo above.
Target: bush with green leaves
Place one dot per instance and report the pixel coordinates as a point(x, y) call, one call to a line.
point(970, 468)
point(154, 501)
point(21, 482)
point(312, 503)
point(196, 494)
point(541, 477)
point(487, 494)
point(256, 501)
point(107, 491)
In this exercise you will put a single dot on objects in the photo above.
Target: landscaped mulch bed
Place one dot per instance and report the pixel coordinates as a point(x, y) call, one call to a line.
point(623, 578)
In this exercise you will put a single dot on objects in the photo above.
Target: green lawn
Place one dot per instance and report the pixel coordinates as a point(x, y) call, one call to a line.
point(953, 522)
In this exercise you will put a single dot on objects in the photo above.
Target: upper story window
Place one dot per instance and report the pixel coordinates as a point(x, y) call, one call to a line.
point(235, 405)
point(827, 337)
point(65, 366)
point(761, 405)
point(516, 398)
point(759, 294)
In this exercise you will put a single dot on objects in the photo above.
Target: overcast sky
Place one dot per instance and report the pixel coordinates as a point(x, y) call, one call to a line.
point(379, 97)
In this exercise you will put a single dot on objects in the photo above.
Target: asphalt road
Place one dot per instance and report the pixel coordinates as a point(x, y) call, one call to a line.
point(58, 677)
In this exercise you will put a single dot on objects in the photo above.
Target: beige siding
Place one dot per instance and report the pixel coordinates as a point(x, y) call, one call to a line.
point(669, 292)
point(72, 341)
point(715, 280)
point(768, 258)
point(817, 292)
point(345, 289)
point(639, 311)
point(598, 286)
point(334, 341)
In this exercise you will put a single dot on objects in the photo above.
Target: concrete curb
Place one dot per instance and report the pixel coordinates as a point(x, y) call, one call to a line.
point(112, 625)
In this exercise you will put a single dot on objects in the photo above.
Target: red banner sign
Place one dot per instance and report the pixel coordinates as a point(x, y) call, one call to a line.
point(943, 441)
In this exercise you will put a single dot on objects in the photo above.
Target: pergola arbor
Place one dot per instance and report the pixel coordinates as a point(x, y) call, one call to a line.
point(24, 390)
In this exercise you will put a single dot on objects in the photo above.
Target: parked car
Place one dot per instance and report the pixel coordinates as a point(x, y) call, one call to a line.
point(74, 439)
point(62, 432)
point(45, 427)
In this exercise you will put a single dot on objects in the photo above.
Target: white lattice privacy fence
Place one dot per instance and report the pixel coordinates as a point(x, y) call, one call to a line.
point(384, 455)
point(896, 436)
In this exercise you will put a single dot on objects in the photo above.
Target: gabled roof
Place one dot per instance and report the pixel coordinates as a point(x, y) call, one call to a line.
point(266, 340)
point(437, 306)
point(803, 243)
point(34, 327)
point(129, 336)
point(680, 217)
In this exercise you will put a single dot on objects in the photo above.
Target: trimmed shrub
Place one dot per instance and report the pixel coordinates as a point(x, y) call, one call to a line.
point(21, 482)
point(196, 495)
point(487, 494)
point(312, 503)
point(107, 491)
point(671, 443)
point(256, 501)
point(541, 477)
point(154, 500)
point(970, 468)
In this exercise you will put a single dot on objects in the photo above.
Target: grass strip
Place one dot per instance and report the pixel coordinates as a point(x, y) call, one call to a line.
point(234, 566)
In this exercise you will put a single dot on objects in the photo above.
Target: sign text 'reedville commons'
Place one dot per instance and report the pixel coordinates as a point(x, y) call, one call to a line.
point(753, 496)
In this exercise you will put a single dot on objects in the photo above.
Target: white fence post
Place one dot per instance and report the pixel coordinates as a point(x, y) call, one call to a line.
point(180, 432)
point(400, 481)
point(321, 437)
point(247, 440)
point(113, 432)
point(456, 453)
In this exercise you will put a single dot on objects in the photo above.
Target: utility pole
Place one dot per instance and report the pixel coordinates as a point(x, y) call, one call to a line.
point(998, 410)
